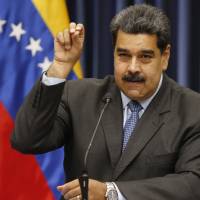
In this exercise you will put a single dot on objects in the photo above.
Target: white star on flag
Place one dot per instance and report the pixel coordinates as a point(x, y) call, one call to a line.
point(34, 46)
point(45, 64)
point(2, 22)
point(17, 31)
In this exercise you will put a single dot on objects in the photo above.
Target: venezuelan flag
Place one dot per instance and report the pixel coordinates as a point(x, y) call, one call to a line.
point(27, 29)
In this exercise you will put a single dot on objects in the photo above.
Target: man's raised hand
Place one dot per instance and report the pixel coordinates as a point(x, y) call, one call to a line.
point(68, 46)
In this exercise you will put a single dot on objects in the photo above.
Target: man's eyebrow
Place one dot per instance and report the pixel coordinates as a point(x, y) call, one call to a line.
point(122, 50)
point(143, 51)
point(148, 51)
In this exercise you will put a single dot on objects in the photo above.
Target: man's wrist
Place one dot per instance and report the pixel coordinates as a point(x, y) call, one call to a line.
point(59, 69)
point(51, 80)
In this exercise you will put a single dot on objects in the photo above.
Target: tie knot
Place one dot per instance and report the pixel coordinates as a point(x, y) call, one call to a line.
point(134, 106)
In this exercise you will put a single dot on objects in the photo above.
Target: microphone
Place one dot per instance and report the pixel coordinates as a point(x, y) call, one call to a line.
point(83, 179)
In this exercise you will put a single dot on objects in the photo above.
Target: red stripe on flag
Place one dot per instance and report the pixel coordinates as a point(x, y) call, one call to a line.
point(20, 175)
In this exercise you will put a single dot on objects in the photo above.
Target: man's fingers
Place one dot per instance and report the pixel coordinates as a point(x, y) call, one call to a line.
point(73, 193)
point(70, 190)
point(72, 27)
point(78, 36)
point(60, 188)
point(80, 28)
point(74, 34)
point(68, 186)
point(67, 39)
point(60, 38)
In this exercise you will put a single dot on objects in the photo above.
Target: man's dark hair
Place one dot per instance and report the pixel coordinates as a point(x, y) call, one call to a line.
point(142, 18)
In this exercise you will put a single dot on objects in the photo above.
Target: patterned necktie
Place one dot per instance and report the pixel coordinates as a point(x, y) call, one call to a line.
point(135, 108)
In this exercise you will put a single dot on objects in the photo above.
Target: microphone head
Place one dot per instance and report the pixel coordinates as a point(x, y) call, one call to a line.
point(107, 98)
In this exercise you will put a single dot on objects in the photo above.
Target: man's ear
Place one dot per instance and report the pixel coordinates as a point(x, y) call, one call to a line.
point(165, 57)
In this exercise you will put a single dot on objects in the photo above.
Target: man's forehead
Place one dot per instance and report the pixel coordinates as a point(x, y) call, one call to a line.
point(136, 42)
point(137, 37)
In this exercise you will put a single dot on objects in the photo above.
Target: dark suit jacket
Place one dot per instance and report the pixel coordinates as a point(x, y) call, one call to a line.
point(162, 159)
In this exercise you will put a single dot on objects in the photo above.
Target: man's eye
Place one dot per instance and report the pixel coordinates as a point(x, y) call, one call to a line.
point(123, 55)
point(145, 58)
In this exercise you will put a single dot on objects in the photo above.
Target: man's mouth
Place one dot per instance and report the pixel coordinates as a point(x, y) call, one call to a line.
point(134, 78)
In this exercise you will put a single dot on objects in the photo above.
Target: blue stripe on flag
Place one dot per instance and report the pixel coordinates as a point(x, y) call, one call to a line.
point(51, 164)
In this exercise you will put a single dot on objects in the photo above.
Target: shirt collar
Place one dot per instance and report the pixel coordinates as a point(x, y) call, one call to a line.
point(144, 103)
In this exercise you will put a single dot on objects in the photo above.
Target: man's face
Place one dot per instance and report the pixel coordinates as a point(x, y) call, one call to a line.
point(138, 64)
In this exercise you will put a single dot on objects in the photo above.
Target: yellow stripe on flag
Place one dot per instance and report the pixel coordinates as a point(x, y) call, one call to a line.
point(55, 15)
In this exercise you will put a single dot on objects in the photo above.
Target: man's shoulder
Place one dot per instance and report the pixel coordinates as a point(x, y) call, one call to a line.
point(185, 97)
point(183, 90)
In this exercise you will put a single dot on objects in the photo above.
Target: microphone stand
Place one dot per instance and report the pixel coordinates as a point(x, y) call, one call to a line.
point(84, 179)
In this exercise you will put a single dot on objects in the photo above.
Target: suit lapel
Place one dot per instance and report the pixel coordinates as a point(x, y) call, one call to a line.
point(112, 124)
point(146, 128)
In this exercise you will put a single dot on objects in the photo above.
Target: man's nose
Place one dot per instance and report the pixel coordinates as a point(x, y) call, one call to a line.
point(134, 65)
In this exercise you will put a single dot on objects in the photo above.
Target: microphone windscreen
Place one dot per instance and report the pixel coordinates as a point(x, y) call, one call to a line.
point(107, 98)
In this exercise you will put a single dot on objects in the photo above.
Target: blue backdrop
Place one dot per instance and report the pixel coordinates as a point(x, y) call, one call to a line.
point(97, 59)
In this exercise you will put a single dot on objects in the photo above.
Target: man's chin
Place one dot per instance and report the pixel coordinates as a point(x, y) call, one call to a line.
point(133, 94)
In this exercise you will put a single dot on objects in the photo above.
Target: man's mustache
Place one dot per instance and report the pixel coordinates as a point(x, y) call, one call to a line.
point(133, 78)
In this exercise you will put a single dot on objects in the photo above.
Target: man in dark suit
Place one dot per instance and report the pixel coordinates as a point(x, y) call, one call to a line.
point(160, 160)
